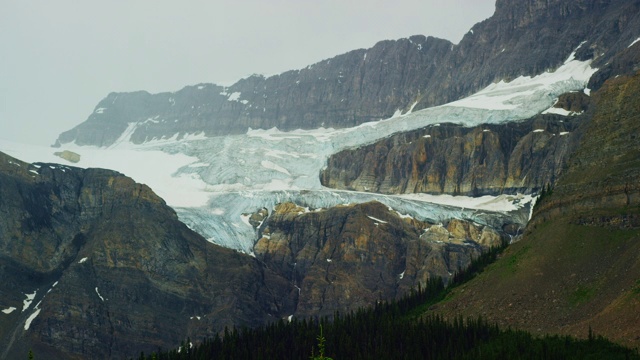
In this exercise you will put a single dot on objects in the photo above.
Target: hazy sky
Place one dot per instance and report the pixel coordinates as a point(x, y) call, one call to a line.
point(58, 59)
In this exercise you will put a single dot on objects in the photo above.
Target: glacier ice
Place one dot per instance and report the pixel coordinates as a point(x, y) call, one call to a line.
point(213, 182)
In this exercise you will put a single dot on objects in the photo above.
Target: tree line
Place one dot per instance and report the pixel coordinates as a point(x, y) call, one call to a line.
point(396, 329)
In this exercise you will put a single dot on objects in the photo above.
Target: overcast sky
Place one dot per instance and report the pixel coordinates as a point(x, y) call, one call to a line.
point(58, 59)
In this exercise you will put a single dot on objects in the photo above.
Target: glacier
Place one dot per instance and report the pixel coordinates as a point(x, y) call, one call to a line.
point(213, 182)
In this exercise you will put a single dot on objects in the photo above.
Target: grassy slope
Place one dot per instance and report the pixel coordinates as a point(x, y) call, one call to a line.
point(579, 262)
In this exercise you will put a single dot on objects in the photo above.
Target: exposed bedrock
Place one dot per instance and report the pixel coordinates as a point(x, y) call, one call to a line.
point(351, 256)
point(451, 159)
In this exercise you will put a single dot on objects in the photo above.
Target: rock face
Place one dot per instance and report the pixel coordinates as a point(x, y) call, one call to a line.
point(352, 256)
point(95, 265)
point(484, 160)
point(577, 266)
point(521, 38)
point(111, 269)
point(605, 171)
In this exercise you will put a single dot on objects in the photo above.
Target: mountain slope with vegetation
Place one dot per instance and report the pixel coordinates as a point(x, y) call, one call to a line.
point(578, 264)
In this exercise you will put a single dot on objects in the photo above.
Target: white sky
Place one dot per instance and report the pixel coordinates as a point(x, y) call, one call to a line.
point(58, 59)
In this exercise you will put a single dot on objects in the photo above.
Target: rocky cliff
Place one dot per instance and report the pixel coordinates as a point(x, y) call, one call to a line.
point(349, 257)
point(577, 266)
point(521, 38)
point(94, 265)
point(484, 160)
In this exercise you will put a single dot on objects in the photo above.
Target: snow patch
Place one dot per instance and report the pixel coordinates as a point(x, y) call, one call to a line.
point(514, 94)
point(401, 276)
point(376, 219)
point(234, 96)
point(564, 133)
point(538, 130)
point(82, 260)
point(27, 324)
point(633, 42)
point(9, 310)
point(557, 111)
point(27, 302)
point(100, 110)
point(411, 107)
point(100, 296)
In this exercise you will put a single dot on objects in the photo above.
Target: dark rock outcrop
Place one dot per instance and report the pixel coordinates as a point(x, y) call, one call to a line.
point(352, 256)
point(112, 270)
point(521, 38)
point(483, 160)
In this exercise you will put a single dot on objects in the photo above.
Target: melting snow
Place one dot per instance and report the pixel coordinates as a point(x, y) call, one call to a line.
point(27, 302)
point(100, 296)
point(9, 310)
point(27, 324)
point(376, 220)
point(234, 96)
point(511, 95)
point(557, 111)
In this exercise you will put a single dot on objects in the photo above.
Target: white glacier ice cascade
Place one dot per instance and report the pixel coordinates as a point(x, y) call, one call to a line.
point(211, 182)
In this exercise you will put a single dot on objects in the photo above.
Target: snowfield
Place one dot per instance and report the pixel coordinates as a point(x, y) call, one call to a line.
point(213, 182)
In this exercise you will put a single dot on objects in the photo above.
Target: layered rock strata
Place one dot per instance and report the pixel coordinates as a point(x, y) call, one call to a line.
point(484, 160)
point(352, 256)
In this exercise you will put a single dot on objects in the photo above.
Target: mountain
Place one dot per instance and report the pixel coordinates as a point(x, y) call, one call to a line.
point(349, 257)
point(577, 264)
point(325, 219)
point(94, 265)
point(522, 38)
point(520, 157)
